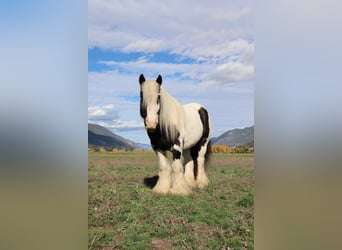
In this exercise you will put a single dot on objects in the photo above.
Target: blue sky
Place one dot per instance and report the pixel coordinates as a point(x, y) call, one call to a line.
point(204, 51)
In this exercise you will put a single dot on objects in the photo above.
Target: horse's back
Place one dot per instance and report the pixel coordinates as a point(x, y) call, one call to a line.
point(193, 124)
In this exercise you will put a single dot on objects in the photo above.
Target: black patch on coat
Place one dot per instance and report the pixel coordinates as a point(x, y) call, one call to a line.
point(205, 122)
point(175, 152)
point(159, 141)
point(203, 113)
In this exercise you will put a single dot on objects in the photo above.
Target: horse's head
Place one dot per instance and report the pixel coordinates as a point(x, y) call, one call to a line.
point(150, 101)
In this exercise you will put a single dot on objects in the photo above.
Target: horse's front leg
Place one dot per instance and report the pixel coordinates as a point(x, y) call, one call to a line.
point(164, 181)
point(179, 184)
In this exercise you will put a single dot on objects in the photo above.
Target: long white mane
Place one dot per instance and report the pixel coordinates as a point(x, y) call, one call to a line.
point(171, 115)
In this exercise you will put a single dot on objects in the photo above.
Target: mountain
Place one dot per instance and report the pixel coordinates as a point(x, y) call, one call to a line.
point(235, 137)
point(100, 136)
point(144, 146)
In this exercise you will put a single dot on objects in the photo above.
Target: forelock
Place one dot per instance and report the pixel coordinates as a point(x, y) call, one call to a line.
point(150, 91)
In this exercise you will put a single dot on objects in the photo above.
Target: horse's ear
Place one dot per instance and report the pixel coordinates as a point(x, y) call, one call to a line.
point(159, 79)
point(141, 79)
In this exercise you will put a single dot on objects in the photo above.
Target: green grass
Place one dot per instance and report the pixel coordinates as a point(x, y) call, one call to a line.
point(125, 214)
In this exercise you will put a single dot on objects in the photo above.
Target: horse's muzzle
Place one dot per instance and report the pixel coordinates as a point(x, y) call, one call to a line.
point(151, 125)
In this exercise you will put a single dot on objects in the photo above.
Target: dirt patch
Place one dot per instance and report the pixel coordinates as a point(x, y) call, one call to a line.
point(161, 244)
point(227, 160)
point(203, 234)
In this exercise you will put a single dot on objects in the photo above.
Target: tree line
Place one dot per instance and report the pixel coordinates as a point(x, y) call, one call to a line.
point(230, 150)
point(240, 149)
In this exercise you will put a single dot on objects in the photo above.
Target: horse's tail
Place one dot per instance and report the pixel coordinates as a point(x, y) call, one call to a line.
point(205, 139)
point(206, 132)
point(208, 153)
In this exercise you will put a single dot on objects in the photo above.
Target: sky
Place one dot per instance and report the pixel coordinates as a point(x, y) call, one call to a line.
point(204, 50)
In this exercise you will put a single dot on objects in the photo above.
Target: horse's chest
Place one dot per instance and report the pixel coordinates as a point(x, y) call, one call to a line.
point(159, 141)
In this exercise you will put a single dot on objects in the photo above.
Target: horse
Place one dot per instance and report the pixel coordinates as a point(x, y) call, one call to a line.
point(182, 130)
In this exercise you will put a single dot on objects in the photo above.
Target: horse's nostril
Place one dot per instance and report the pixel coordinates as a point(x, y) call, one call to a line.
point(151, 126)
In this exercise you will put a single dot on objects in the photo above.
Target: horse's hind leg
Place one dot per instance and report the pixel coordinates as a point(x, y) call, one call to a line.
point(202, 147)
point(164, 181)
point(202, 179)
point(189, 169)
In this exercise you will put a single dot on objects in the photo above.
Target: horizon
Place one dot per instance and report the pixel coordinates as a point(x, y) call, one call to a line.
point(148, 144)
point(204, 56)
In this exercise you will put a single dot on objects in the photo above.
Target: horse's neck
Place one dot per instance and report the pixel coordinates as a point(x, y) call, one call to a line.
point(168, 102)
point(171, 114)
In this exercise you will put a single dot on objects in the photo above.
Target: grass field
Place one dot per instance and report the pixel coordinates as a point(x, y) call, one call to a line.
point(124, 214)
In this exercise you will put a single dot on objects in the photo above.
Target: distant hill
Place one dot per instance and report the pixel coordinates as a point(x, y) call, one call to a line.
point(144, 146)
point(100, 136)
point(235, 137)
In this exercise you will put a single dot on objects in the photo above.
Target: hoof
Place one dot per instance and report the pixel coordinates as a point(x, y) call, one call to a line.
point(159, 191)
point(202, 183)
point(161, 187)
point(181, 190)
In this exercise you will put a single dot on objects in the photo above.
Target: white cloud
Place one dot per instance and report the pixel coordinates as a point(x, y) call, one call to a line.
point(231, 72)
point(167, 25)
point(219, 53)
point(221, 74)
point(231, 15)
point(122, 125)
point(153, 68)
point(102, 113)
point(213, 34)
point(108, 117)
point(144, 46)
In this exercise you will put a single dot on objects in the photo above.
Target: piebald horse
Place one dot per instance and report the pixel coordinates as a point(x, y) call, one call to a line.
point(182, 130)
